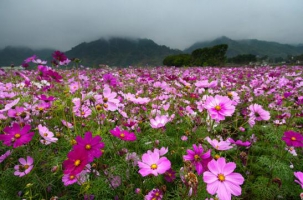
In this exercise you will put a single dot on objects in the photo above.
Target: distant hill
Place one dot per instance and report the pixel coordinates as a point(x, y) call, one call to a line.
point(142, 52)
point(253, 46)
point(16, 55)
point(121, 52)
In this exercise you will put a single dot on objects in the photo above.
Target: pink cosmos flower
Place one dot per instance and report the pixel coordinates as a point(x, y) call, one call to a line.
point(25, 167)
point(123, 135)
point(5, 155)
point(161, 151)
point(299, 176)
point(219, 107)
point(67, 124)
point(108, 100)
point(10, 105)
point(77, 159)
point(197, 157)
point(257, 113)
point(16, 135)
point(153, 164)
point(221, 146)
point(221, 179)
point(15, 113)
point(91, 145)
point(73, 87)
point(39, 61)
point(48, 136)
point(155, 194)
point(159, 121)
point(30, 59)
point(68, 179)
point(292, 138)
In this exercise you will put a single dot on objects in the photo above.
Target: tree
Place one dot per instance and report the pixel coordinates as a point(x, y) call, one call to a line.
point(177, 60)
point(213, 56)
point(243, 59)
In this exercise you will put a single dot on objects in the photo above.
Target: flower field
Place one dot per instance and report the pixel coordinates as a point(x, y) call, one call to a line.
point(151, 133)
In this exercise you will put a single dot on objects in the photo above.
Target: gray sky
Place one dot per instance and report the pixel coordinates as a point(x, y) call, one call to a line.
point(62, 24)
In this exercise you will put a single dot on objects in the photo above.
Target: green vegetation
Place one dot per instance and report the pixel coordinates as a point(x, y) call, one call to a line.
point(214, 56)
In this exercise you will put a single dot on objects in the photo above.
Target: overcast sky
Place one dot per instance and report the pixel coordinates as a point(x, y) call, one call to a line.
point(62, 24)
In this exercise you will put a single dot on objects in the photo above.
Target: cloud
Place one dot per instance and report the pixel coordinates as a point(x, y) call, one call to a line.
point(175, 23)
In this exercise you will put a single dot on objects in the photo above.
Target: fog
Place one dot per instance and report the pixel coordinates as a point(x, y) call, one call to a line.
point(175, 23)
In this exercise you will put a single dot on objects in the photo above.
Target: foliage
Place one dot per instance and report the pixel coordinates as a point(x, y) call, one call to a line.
point(243, 59)
point(214, 56)
point(179, 94)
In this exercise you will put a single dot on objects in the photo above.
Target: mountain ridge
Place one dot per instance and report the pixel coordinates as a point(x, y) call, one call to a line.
point(121, 51)
point(250, 46)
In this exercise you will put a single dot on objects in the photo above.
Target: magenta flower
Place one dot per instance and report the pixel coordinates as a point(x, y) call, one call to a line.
point(197, 157)
point(219, 107)
point(153, 164)
point(221, 146)
point(155, 194)
point(68, 179)
point(91, 145)
point(221, 179)
point(299, 176)
point(59, 56)
point(110, 79)
point(123, 135)
point(159, 121)
point(292, 138)
point(170, 175)
point(25, 167)
point(5, 155)
point(239, 142)
point(77, 159)
point(16, 135)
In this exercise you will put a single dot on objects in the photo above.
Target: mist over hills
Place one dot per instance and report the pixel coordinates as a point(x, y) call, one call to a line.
point(121, 52)
point(142, 52)
point(251, 46)
point(16, 55)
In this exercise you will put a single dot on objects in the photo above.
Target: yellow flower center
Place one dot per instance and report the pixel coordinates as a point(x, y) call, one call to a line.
point(197, 157)
point(229, 94)
point(17, 135)
point(217, 107)
point(71, 177)
point(45, 134)
point(98, 107)
point(105, 105)
point(221, 177)
point(82, 113)
point(157, 194)
point(105, 100)
point(88, 147)
point(73, 142)
point(217, 156)
point(293, 138)
point(26, 166)
point(77, 163)
point(122, 135)
point(153, 166)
